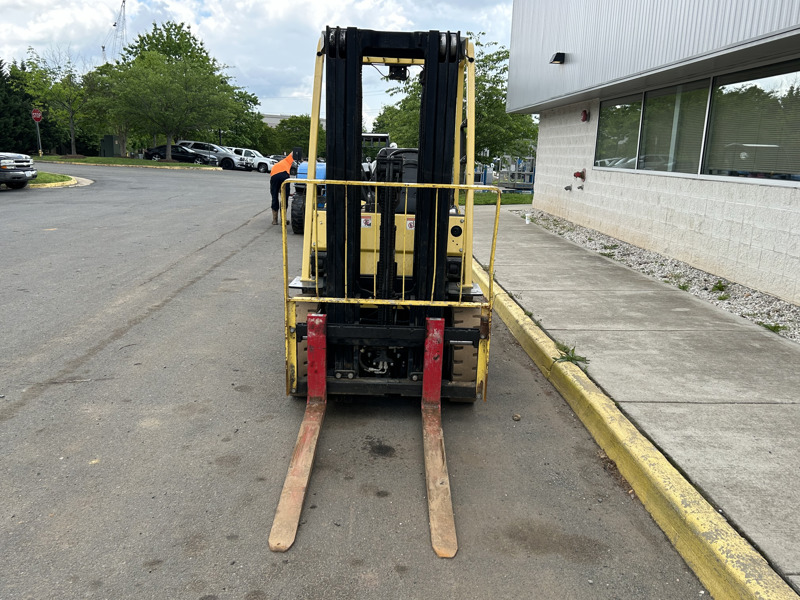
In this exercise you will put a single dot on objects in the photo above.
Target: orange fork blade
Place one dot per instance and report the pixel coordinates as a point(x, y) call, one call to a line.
point(440, 504)
point(287, 516)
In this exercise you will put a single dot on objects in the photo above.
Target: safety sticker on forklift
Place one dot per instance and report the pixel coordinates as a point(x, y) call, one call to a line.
point(410, 223)
point(366, 222)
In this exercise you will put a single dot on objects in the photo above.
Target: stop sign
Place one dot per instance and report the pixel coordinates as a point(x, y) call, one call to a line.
point(36, 114)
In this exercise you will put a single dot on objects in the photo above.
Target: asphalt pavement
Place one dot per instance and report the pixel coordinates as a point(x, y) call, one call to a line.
point(145, 432)
point(715, 393)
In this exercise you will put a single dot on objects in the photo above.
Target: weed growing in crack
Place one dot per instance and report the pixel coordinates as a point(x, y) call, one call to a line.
point(773, 327)
point(719, 286)
point(568, 355)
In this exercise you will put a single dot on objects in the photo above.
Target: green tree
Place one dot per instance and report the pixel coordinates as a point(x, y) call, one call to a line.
point(174, 40)
point(172, 97)
point(17, 129)
point(296, 132)
point(246, 129)
point(265, 140)
point(401, 121)
point(496, 131)
point(169, 84)
point(52, 134)
point(102, 114)
point(53, 80)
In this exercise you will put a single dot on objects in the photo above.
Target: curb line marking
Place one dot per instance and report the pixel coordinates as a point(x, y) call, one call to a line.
point(722, 559)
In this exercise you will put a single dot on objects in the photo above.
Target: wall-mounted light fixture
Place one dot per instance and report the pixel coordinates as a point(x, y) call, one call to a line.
point(584, 116)
point(559, 58)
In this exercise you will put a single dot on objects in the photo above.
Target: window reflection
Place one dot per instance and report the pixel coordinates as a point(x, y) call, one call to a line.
point(672, 128)
point(618, 133)
point(754, 128)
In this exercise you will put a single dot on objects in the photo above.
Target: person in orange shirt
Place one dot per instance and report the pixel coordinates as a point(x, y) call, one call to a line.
point(278, 174)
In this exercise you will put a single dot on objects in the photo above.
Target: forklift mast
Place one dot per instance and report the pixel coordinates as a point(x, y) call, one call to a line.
point(385, 305)
point(440, 54)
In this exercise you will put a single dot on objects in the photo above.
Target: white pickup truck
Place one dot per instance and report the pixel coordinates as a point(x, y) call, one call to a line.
point(16, 170)
point(263, 163)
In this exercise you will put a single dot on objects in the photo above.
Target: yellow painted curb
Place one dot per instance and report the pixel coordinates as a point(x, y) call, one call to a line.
point(70, 181)
point(722, 559)
point(533, 340)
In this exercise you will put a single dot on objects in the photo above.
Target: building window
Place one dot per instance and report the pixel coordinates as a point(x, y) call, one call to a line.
point(618, 132)
point(672, 128)
point(751, 126)
point(754, 124)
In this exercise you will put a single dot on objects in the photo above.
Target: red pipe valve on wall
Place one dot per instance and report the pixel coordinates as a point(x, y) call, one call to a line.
point(580, 174)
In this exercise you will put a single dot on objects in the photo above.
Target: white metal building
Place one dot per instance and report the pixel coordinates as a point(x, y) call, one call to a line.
point(685, 115)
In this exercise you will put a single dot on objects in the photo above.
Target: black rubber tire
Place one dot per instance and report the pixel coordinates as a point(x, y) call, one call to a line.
point(198, 161)
point(17, 185)
point(298, 214)
point(226, 164)
point(262, 167)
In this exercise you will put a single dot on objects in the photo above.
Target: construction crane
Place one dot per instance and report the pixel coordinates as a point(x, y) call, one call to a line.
point(386, 305)
point(117, 38)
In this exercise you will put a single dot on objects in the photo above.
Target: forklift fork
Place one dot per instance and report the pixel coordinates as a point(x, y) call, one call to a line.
point(440, 505)
point(287, 516)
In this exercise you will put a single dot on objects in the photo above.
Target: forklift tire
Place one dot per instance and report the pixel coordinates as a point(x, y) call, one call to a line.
point(298, 214)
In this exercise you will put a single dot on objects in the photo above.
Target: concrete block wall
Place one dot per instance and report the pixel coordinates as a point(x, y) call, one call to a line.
point(743, 231)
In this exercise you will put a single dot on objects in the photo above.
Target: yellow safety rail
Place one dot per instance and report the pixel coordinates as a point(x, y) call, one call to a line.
point(465, 279)
point(312, 243)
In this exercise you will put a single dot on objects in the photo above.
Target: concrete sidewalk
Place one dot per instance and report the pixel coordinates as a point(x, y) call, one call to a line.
point(716, 394)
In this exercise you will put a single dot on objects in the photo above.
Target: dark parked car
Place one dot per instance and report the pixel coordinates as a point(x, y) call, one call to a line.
point(180, 154)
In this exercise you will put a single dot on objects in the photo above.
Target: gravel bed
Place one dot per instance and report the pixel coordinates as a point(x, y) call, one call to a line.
point(771, 312)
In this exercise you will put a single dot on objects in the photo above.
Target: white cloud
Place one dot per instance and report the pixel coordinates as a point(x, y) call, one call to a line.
point(268, 45)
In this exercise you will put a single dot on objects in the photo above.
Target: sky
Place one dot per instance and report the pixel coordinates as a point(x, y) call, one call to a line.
point(268, 46)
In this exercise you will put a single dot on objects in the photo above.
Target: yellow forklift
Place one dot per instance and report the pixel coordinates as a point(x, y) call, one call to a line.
point(385, 304)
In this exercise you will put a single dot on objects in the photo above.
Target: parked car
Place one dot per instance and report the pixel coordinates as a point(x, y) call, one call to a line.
point(16, 170)
point(180, 154)
point(225, 158)
point(628, 162)
point(263, 163)
point(655, 162)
